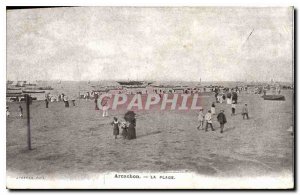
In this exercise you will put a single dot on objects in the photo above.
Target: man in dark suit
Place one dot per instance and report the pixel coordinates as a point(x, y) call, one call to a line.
point(222, 119)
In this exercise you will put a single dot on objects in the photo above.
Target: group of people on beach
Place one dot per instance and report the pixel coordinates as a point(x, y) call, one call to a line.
point(221, 118)
point(232, 98)
point(104, 104)
point(207, 120)
point(127, 126)
point(20, 111)
point(60, 97)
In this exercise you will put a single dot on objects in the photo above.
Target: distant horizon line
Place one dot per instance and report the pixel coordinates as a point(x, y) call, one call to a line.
point(124, 80)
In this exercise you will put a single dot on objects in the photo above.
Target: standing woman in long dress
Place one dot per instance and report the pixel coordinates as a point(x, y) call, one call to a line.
point(131, 134)
point(130, 118)
point(229, 96)
point(213, 108)
point(96, 101)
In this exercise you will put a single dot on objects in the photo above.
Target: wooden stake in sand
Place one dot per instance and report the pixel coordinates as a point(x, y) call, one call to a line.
point(28, 102)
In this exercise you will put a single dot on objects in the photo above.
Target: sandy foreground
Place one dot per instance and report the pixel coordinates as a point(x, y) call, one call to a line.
point(76, 142)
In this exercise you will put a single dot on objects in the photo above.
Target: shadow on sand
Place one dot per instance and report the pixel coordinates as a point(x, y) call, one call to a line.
point(229, 129)
point(151, 133)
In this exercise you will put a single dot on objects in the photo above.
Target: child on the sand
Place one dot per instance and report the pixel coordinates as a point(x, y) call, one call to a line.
point(245, 112)
point(233, 106)
point(66, 100)
point(115, 125)
point(208, 120)
point(124, 129)
point(201, 119)
point(105, 103)
point(220, 98)
point(20, 111)
point(213, 108)
point(7, 111)
point(47, 102)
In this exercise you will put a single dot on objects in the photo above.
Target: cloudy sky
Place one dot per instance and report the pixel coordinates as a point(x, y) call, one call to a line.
point(117, 43)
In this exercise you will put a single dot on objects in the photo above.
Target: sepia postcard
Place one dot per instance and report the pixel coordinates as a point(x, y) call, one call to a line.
point(150, 98)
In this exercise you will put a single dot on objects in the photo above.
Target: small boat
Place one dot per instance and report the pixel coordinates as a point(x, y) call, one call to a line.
point(13, 88)
point(13, 91)
point(13, 94)
point(274, 97)
point(30, 84)
point(130, 82)
point(46, 88)
point(33, 91)
point(134, 82)
point(9, 82)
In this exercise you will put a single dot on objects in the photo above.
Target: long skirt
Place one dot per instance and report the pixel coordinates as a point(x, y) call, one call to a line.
point(228, 100)
point(131, 132)
point(221, 99)
point(213, 110)
point(116, 131)
point(124, 132)
point(96, 106)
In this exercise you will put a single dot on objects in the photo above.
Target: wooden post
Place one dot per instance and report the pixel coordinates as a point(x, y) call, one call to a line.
point(28, 101)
